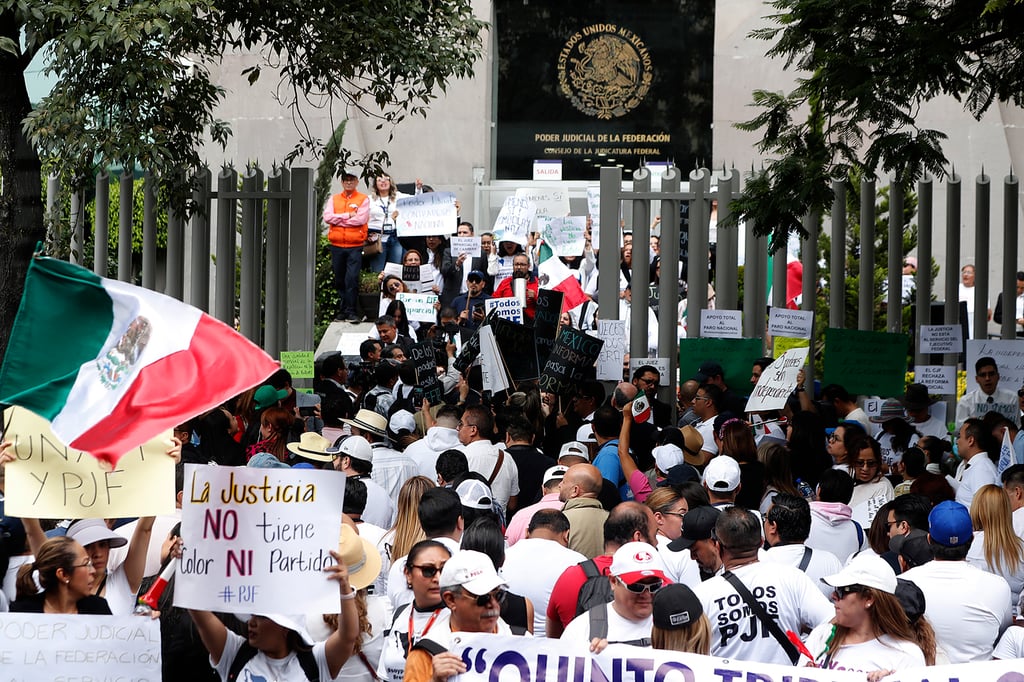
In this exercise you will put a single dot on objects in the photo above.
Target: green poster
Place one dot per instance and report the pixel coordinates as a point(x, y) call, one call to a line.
point(866, 363)
point(735, 355)
point(298, 362)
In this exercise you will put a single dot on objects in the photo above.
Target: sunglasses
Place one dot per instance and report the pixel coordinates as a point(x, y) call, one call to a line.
point(840, 593)
point(866, 464)
point(428, 571)
point(485, 599)
point(640, 588)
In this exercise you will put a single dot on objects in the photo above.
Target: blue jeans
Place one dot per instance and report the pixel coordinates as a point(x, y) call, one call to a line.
point(346, 263)
point(392, 253)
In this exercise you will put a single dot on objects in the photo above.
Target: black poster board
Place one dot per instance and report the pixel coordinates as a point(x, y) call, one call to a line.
point(545, 322)
point(518, 348)
point(422, 356)
point(573, 355)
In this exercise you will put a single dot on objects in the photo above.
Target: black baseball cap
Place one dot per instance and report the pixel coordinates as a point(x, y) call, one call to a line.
point(676, 606)
point(698, 524)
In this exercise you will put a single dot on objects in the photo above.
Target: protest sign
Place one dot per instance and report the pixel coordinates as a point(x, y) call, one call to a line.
point(515, 220)
point(571, 358)
point(866, 363)
point(508, 308)
point(565, 235)
point(552, 199)
point(518, 348)
point(423, 358)
point(780, 344)
point(470, 350)
point(504, 269)
point(941, 338)
point(426, 215)
point(545, 321)
point(940, 380)
point(1008, 354)
point(735, 355)
point(492, 369)
point(797, 324)
point(465, 245)
point(254, 535)
point(37, 646)
point(721, 324)
point(49, 480)
point(613, 352)
point(594, 211)
point(420, 307)
point(777, 381)
point(396, 269)
point(654, 298)
point(299, 363)
point(660, 364)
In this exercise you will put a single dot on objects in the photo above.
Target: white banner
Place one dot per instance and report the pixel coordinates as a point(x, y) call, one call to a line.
point(777, 381)
point(37, 646)
point(508, 308)
point(515, 220)
point(252, 535)
point(565, 236)
point(609, 362)
point(721, 324)
point(552, 199)
point(426, 215)
point(465, 245)
point(796, 324)
point(942, 338)
point(420, 307)
point(939, 379)
point(492, 369)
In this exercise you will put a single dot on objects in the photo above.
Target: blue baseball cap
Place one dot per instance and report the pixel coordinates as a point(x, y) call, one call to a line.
point(949, 524)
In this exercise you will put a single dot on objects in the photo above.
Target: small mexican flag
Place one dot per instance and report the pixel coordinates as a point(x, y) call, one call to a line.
point(112, 365)
point(552, 273)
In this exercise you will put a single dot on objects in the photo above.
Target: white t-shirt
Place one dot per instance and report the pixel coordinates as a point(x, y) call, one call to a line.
point(619, 629)
point(786, 593)
point(1011, 644)
point(868, 498)
point(532, 566)
point(888, 455)
point(967, 607)
point(118, 594)
point(378, 611)
point(706, 429)
point(970, 479)
point(482, 455)
point(396, 640)
point(680, 566)
point(380, 508)
point(1014, 577)
point(932, 426)
point(821, 563)
point(883, 653)
point(287, 669)
point(398, 593)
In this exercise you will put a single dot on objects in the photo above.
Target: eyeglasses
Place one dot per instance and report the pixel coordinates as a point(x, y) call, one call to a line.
point(866, 464)
point(483, 600)
point(463, 425)
point(672, 513)
point(1020, 393)
point(833, 438)
point(640, 588)
point(85, 564)
point(840, 593)
point(428, 571)
point(987, 375)
point(649, 382)
point(700, 397)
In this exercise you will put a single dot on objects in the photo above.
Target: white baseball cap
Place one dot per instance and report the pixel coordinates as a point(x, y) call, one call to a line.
point(865, 569)
point(576, 448)
point(555, 473)
point(722, 474)
point(474, 571)
point(355, 447)
point(667, 456)
point(635, 561)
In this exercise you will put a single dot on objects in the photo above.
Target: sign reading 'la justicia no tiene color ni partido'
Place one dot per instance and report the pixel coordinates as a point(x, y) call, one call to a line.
point(603, 83)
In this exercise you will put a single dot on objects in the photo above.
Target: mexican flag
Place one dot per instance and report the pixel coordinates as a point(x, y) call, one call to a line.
point(112, 365)
point(552, 273)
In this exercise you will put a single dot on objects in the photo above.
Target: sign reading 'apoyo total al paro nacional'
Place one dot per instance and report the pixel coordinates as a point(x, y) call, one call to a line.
point(253, 535)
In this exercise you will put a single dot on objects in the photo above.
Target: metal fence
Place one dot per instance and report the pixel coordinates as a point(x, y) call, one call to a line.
point(250, 243)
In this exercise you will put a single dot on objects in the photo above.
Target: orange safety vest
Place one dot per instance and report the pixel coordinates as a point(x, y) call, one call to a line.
point(347, 236)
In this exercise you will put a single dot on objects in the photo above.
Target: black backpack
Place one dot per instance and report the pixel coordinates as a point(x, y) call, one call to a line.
point(247, 651)
point(596, 589)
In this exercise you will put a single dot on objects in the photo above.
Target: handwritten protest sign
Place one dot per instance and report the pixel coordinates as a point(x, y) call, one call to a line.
point(465, 245)
point(420, 307)
point(565, 235)
point(797, 324)
point(735, 355)
point(508, 308)
point(545, 321)
point(428, 214)
point(613, 352)
point(594, 211)
point(780, 344)
point(941, 338)
point(570, 360)
point(518, 348)
point(777, 381)
point(1008, 354)
point(254, 535)
point(417, 278)
point(552, 199)
point(49, 480)
point(422, 356)
point(37, 646)
point(515, 220)
point(299, 363)
point(940, 380)
point(867, 363)
point(721, 324)
point(511, 659)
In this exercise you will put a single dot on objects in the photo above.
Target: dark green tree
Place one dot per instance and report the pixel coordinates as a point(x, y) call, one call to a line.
point(868, 67)
point(133, 87)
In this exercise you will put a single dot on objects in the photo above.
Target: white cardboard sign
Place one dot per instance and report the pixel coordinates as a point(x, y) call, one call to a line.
point(721, 324)
point(939, 379)
point(509, 308)
point(550, 200)
point(515, 220)
point(426, 215)
point(613, 352)
point(777, 381)
point(465, 245)
point(420, 307)
point(942, 338)
point(796, 324)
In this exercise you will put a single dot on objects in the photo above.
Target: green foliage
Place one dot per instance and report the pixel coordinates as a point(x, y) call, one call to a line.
point(870, 65)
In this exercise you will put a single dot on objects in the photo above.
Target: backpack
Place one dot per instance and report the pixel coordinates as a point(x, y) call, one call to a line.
point(247, 651)
point(596, 589)
point(598, 617)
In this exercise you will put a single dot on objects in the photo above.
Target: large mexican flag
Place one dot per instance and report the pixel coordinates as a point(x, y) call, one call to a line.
point(112, 365)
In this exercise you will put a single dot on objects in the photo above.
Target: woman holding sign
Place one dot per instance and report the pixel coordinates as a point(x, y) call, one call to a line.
point(278, 646)
point(383, 221)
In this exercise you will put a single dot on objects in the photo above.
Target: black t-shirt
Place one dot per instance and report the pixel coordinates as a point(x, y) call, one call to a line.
point(532, 463)
point(90, 606)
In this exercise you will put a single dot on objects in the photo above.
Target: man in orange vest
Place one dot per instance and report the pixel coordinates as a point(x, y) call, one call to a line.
point(347, 215)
